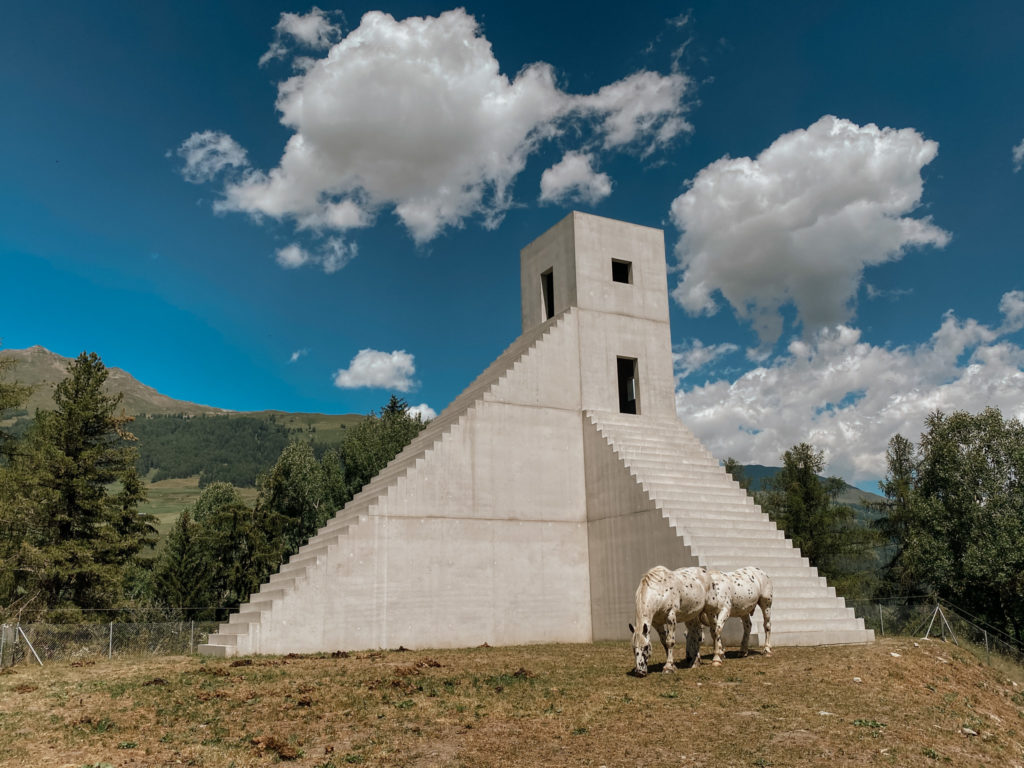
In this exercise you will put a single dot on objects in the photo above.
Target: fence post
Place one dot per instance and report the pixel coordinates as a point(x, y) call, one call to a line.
point(110, 644)
point(987, 654)
point(3, 637)
point(191, 636)
point(881, 621)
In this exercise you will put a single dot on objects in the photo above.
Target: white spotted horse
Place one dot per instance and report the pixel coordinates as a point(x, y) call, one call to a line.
point(663, 599)
point(738, 593)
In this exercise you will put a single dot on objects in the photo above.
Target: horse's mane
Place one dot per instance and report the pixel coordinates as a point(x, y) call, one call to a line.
point(650, 581)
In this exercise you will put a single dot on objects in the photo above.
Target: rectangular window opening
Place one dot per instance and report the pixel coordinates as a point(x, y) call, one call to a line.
point(622, 271)
point(547, 287)
point(628, 385)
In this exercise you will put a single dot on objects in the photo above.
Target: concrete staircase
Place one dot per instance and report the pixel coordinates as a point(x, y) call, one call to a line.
point(236, 637)
point(723, 527)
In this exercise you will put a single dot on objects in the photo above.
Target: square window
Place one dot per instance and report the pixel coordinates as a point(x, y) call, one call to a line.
point(622, 271)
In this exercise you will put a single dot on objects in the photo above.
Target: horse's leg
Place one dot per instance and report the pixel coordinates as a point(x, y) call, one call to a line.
point(717, 630)
point(745, 645)
point(668, 639)
point(694, 633)
point(766, 614)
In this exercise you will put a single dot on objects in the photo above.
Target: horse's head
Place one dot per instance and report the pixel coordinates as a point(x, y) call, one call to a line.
point(641, 648)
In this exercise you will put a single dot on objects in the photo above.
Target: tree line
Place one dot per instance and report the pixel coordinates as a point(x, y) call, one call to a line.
point(74, 544)
point(951, 525)
point(72, 538)
point(227, 449)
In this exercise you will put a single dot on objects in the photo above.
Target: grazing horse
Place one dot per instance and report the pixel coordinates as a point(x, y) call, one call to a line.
point(663, 599)
point(738, 593)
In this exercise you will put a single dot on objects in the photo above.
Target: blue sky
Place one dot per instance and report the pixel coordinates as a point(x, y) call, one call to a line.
point(232, 201)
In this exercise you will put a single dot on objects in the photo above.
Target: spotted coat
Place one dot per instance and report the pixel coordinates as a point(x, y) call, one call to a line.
point(665, 598)
point(738, 593)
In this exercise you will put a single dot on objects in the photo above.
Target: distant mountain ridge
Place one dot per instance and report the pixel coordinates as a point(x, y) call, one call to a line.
point(852, 496)
point(41, 369)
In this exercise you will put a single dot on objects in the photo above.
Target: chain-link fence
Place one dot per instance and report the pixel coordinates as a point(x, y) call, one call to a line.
point(931, 618)
point(41, 643)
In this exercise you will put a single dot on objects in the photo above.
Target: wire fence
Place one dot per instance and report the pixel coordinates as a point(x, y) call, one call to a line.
point(43, 643)
point(940, 619)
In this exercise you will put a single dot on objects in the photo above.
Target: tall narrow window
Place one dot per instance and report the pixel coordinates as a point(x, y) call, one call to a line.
point(547, 287)
point(622, 271)
point(628, 385)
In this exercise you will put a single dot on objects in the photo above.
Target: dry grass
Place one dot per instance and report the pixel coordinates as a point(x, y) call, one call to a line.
point(551, 705)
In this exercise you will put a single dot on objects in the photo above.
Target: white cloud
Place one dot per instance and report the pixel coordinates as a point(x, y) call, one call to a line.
point(799, 223)
point(293, 256)
point(312, 29)
point(645, 106)
point(574, 178)
point(298, 353)
point(382, 370)
point(849, 397)
point(334, 255)
point(207, 153)
point(689, 358)
point(424, 411)
point(337, 253)
point(416, 116)
point(1018, 156)
point(1012, 308)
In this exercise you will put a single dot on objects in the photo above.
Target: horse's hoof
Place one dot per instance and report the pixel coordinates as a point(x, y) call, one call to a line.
point(716, 663)
point(668, 668)
point(767, 652)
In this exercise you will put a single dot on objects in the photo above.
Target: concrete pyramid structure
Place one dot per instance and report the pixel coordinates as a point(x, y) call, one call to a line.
point(528, 510)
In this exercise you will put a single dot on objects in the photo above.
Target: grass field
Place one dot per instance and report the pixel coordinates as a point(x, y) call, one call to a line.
point(893, 703)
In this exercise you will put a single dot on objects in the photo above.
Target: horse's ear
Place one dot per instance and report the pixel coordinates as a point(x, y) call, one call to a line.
point(647, 630)
point(631, 630)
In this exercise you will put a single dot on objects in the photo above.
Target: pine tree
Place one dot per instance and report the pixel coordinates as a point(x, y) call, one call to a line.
point(14, 517)
point(81, 536)
point(805, 506)
point(182, 577)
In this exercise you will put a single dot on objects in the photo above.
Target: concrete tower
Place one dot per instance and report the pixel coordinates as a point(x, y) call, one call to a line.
point(528, 510)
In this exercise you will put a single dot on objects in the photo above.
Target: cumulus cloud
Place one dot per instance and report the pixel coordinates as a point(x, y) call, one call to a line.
point(800, 222)
point(313, 30)
point(1018, 156)
point(381, 370)
point(207, 153)
point(293, 256)
point(574, 178)
point(1012, 308)
point(689, 358)
point(645, 106)
point(423, 411)
point(297, 354)
point(849, 397)
point(416, 116)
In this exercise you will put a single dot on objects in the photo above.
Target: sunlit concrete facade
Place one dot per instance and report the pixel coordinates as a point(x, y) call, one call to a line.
point(529, 509)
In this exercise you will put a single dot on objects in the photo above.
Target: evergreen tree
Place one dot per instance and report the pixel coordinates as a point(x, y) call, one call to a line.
point(12, 395)
point(805, 506)
point(182, 578)
point(242, 550)
point(14, 516)
point(734, 468)
point(898, 513)
point(81, 537)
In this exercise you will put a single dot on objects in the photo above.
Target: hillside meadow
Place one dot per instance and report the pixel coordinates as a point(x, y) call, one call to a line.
point(897, 702)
